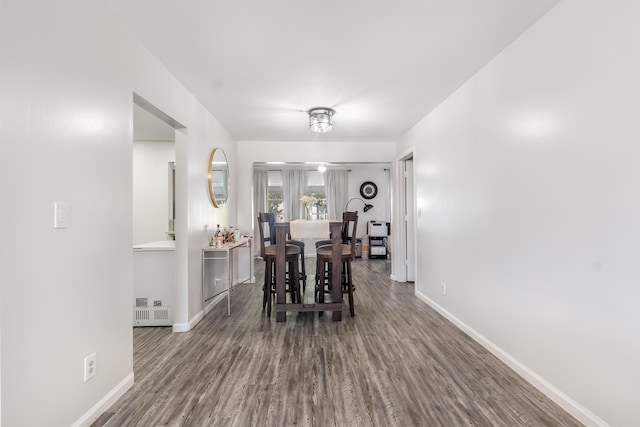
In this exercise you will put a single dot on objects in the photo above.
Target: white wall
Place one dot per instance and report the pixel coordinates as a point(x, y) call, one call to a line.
point(250, 152)
point(68, 74)
point(381, 203)
point(197, 207)
point(151, 182)
point(527, 178)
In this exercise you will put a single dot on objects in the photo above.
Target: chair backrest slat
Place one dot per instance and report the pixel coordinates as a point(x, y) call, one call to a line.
point(266, 218)
point(349, 227)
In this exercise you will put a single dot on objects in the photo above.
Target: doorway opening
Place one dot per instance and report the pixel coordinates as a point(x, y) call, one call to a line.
point(153, 215)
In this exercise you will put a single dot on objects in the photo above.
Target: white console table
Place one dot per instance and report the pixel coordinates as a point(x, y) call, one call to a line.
point(218, 270)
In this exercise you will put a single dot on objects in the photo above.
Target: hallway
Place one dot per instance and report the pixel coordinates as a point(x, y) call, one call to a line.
point(396, 363)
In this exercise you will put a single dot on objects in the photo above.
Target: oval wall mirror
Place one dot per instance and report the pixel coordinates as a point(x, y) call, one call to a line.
point(218, 178)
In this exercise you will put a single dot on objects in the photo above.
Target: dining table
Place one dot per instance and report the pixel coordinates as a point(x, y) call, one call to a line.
point(335, 305)
point(309, 232)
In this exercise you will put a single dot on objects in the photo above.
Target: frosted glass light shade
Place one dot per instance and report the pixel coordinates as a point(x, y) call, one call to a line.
point(320, 119)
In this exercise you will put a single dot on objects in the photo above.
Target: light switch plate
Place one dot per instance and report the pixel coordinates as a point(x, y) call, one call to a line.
point(60, 215)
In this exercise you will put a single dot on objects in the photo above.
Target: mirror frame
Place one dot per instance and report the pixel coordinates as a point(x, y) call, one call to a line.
point(212, 196)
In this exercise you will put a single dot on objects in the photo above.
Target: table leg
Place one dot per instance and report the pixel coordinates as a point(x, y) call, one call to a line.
point(281, 285)
point(229, 279)
point(336, 268)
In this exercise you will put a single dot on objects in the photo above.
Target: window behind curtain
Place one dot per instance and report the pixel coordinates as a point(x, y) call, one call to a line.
point(316, 189)
point(275, 195)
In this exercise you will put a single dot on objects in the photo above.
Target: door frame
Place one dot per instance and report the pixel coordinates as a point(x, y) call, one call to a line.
point(399, 241)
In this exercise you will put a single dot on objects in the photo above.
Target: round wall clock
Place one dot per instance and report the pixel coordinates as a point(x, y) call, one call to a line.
point(368, 190)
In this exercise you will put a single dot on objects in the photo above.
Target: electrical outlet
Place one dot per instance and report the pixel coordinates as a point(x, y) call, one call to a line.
point(89, 367)
point(443, 288)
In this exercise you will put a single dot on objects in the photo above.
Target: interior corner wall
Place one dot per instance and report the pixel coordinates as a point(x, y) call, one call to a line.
point(0, 357)
point(151, 189)
point(1, 285)
point(527, 178)
point(69, 72)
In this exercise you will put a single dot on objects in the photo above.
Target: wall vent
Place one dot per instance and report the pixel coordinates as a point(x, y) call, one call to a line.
point(161, 314)
point(142, 315)
point(152, 316)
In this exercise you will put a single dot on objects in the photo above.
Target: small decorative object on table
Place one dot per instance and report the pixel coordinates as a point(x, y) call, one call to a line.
point(229, 235)
point(308, 202)
point(219, 238)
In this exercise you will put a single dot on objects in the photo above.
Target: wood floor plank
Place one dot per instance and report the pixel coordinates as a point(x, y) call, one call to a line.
point(396, 363)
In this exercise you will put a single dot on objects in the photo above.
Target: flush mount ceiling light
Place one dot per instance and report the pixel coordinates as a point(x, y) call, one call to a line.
point(320, 119)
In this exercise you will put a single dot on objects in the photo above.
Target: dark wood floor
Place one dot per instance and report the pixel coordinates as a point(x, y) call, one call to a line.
point(396, 363)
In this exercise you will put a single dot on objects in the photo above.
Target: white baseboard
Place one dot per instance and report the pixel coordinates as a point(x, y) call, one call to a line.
point(196, 319)
point(578, 411)
point(184, 327)
point(109, 399)
point(215, 301)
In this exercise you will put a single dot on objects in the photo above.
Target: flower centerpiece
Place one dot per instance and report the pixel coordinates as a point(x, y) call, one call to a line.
point(308, 202)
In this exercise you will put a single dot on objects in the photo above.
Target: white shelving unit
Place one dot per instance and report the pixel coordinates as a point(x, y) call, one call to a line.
point(378, 232)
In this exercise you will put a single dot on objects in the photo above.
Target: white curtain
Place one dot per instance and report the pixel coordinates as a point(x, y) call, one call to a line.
point(260, 189)
point(336, 187)
point(294, 186)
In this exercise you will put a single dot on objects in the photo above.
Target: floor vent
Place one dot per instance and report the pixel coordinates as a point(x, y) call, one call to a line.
point(152, 316)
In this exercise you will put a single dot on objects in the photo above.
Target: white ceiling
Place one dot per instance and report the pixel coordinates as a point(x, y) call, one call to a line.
point(259, 65)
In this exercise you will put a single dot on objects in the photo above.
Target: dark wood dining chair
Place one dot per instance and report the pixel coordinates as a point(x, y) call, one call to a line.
point(270, 218)
point(348, 253)
point(268, 254)
point(344, 237)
